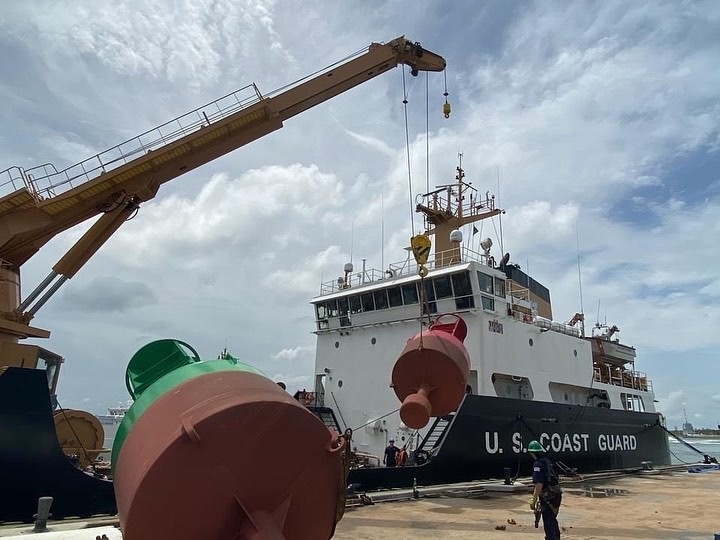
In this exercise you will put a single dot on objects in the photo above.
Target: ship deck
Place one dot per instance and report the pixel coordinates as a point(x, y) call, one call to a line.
point(658, 505)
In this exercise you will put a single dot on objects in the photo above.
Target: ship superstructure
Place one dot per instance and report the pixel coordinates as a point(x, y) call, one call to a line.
point(521, 359)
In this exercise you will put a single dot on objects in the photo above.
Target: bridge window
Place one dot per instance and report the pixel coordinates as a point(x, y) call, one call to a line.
point(429, 306)
point(488, 303)
point(394, 297)
point(355, 305)
point(322, 316)
point(343, 311)
point(410, 293)
point(381, 300)
point(443, 289)
point(463, 291)
point(500, 287)
point(485, 282)
point(366, 299)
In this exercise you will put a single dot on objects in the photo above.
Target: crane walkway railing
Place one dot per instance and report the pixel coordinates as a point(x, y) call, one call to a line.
point(45, 181)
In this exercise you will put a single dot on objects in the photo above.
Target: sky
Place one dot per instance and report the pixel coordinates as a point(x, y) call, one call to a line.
point(596, 124)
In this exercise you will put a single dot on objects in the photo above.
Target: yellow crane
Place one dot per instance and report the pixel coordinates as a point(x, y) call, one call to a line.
point(44, 201)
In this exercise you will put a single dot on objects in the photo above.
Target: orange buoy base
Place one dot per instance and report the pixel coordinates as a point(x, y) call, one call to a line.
point(228, 455)
point(430, 375)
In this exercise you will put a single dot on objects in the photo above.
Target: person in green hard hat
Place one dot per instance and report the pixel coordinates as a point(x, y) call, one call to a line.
point(546, 489)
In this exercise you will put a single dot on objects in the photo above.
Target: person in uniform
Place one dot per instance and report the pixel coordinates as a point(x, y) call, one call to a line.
point(390, 458)
point(546, 489)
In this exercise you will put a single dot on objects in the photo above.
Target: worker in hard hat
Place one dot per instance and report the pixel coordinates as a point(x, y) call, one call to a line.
point(390, 459)
point(546, 489)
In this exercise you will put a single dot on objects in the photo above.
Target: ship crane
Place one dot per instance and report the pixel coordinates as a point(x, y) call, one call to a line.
point(45, 202)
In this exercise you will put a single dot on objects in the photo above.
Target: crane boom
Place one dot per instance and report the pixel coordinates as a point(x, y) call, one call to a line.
point(115, 182)
point(31, 216)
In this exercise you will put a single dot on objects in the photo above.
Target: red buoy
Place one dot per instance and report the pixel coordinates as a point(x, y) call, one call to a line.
point(430, 376)
point(228, 455)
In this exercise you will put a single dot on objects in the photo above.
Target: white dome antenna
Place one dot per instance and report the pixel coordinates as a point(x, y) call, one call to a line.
point(456, 236)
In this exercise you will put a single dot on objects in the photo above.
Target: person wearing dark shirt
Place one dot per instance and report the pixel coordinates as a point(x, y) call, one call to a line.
point(390, 458)
point(546, 489)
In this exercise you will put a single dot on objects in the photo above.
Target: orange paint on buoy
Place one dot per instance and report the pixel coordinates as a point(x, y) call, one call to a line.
point(228, 455)
point(430, 375)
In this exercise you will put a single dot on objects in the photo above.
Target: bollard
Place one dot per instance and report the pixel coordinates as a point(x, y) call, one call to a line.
point(43, 514)
point(508, 481)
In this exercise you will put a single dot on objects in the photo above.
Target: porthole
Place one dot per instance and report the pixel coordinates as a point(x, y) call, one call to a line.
point(340, 383)
point(337, 344)
point(575, 353)
point(373, 341)
point(530, 341)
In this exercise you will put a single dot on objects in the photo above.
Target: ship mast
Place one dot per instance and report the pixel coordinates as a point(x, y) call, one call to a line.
point(449, 207)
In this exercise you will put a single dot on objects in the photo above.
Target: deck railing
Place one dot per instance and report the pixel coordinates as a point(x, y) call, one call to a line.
point(408, 267)
point(616, 376)
point(46, 181)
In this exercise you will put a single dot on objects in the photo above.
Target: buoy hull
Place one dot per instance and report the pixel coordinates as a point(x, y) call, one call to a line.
point(430, 376)
point(213, 459)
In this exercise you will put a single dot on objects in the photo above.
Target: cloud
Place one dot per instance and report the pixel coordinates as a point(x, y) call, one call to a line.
point(191, 44)
point(300, 352)
point(107, 295)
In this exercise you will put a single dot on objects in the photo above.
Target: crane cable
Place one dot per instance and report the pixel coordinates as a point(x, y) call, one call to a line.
point(420, 243)
point(407, 148)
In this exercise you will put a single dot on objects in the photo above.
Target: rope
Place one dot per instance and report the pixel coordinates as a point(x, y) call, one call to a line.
point(376, 419)
point(683, 441)
point(87, 456)
point(332, 394)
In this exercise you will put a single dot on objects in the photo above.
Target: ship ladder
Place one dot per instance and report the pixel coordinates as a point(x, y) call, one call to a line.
point(435, 436)
point(327, 417)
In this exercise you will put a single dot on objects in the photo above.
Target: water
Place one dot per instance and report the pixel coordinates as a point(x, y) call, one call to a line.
point(679, 453)
point(110, 431)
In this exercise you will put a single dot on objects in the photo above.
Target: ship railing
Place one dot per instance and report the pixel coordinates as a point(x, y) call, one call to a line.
point(408, 267)
point(311, 399)
point(617, 376)
point(12, 179)
point(46, 181)
point(446, 200)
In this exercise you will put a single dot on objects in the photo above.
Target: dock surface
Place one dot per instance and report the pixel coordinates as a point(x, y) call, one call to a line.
point(668, 506)
point(672, 505)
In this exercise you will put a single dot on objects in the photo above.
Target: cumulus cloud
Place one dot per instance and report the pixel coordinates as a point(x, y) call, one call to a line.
point(300, 352)
point(107, 295)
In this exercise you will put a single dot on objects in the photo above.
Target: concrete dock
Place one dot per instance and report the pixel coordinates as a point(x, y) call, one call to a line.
point(672, 505)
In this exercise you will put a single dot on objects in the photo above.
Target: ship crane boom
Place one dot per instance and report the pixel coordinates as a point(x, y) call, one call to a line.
point(45, 202)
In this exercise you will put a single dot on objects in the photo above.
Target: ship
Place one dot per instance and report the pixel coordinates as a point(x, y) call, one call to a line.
point(531, 376)
point(115, 415)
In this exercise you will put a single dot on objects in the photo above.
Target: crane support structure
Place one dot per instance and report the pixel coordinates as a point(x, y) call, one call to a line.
point(44, 202)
